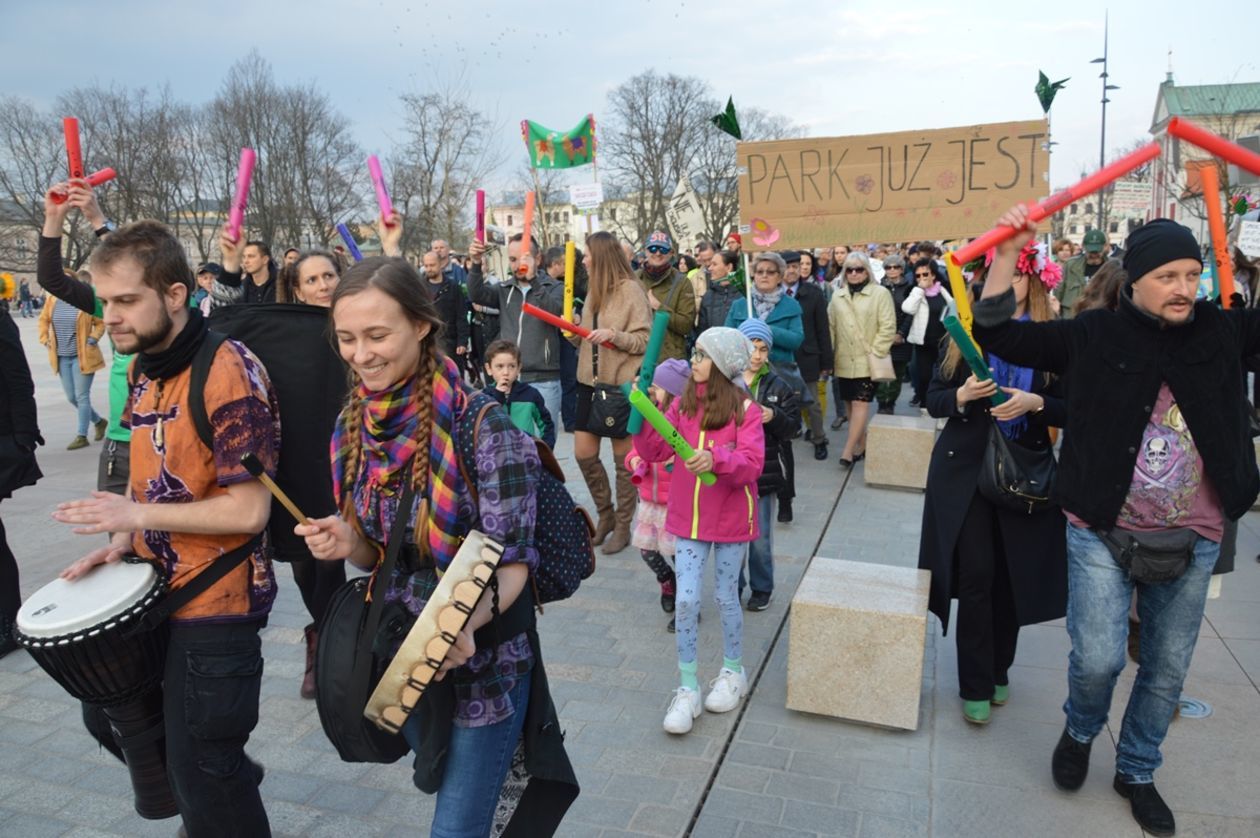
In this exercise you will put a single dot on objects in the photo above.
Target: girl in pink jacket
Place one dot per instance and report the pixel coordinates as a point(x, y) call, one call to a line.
point(655, 543)
point(715, 418)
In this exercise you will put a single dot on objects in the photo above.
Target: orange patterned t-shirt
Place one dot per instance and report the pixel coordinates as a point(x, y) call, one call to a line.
point(170, 464)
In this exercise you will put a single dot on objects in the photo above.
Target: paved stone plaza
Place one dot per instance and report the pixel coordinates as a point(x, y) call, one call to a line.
point(758, 771)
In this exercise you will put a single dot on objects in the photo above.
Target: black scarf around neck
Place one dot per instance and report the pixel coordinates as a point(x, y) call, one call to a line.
point(176, 357)
point(855, 288)
point(657, 273)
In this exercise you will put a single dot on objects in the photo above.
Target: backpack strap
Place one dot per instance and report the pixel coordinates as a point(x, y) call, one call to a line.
point(201, 364)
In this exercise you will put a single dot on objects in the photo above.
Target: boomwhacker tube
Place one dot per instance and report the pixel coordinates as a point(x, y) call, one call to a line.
point(527, 240)
point(668, 432)
point(656, 339)
point(1223, 268)
point(93, 180)
point(570, 268)
point(351, 245)
point(244, 172)
point(382, 194)
point(74, 154)
point(958, 287)
point(480, 232)
point(1043, 210)
point(560, 323)
point(1215, 143)
point(971, 354)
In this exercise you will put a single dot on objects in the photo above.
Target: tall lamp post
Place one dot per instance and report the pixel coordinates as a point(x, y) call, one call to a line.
point(1102, 139)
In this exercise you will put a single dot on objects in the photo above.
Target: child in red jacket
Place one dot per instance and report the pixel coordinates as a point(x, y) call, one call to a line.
point(719, 421)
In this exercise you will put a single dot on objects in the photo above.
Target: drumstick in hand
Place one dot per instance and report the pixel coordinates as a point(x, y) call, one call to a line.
point(255, 467)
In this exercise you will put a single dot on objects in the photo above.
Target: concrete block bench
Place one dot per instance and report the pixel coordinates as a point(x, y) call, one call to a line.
point(898, 449)
point(855, 646)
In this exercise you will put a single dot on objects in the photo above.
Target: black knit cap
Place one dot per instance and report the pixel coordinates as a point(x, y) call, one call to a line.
point(1157, 243)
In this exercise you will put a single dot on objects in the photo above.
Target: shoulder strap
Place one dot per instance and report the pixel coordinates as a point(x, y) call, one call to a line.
point(201, 364)
point(202, 582)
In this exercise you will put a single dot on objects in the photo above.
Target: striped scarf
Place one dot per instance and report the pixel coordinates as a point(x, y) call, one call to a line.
point(389, 439)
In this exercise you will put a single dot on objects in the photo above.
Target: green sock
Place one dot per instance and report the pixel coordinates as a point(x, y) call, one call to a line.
point(732, 665)
point(688, 672)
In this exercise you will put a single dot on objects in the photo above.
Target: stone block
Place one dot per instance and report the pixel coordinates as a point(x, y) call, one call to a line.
point(855, 647)
point(898, 449)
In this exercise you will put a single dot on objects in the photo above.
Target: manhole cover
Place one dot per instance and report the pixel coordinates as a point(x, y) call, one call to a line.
point(1193, 708)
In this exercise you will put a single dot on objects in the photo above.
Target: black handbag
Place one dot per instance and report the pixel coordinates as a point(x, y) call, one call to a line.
point(357, 639)
point(1014, 477)
point(610, 409)
point(1152, 557)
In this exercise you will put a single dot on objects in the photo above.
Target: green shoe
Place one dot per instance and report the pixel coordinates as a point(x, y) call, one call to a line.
point(976, 712)
point(77, 443)
point(1001, 694)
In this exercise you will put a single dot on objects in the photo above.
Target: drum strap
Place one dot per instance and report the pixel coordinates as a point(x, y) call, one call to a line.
point(201, 583)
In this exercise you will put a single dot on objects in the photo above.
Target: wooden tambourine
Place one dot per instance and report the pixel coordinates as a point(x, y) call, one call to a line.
point(434, 632)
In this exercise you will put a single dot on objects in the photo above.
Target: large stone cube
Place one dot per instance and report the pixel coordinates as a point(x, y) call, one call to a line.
point(898, 450)
point(855, 647)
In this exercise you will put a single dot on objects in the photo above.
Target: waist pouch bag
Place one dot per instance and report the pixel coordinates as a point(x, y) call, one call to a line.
point(1152, 557)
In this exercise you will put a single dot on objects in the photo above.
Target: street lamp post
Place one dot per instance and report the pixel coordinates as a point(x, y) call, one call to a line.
point(1102, 138)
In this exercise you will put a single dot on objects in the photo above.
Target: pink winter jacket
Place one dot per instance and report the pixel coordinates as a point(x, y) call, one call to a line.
point(654, 487)
point(727, 510)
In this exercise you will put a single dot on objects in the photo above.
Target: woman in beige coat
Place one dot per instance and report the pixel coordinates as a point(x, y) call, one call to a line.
point(616, 310)
point(72, 337)
point(862, 320)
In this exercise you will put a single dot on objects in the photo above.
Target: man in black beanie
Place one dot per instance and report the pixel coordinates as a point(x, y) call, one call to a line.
point(1157, 456)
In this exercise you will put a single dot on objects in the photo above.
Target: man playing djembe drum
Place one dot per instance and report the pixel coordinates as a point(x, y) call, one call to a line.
point(189, 505)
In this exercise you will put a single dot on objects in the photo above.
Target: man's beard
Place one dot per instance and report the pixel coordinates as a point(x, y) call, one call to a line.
point(147, 340)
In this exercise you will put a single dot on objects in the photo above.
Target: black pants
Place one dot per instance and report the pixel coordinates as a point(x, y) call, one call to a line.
point(317, 581)
point(10, 592)
point(211, 685)
point(113, 472)
point(925, 358)
point(987, 628)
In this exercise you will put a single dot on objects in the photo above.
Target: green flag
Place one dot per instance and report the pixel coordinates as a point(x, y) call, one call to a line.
point(727, 121)
point(559, 150)
point(1046, 90)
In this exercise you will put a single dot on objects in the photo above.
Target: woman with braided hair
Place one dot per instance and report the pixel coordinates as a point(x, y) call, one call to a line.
point(409, 416)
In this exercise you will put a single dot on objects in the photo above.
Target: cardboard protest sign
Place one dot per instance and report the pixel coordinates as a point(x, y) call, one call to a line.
point(684, 215)
point(1249, 238)
point(938, 184)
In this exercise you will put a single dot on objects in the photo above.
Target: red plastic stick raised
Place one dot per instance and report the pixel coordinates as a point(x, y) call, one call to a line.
point(1059, 200)
point(93, 180)
point(74, 153)
point(236, 213)
point(481, 216)
point(1216, 226)
point(527, 240)
point(561, 323)
point(1215, 143)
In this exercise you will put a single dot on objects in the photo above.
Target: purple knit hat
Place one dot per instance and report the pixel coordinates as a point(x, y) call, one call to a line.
point(671, 376)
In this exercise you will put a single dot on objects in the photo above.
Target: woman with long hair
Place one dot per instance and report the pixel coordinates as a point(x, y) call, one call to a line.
point(617, 311)
point(1006, 568)
point(410, 418)
point(311, 279)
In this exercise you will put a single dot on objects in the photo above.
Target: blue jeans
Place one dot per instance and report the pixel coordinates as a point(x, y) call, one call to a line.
point(568, 385)
point(78, 387)
point(761, 551)
point(552, 397)
point(477, 760)
point(1099, 593)
point(689, 559)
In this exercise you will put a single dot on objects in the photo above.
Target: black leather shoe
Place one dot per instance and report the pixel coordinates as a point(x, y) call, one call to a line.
point(820, 452)
point(785, 512)
point(1070, 765)
point(1149, 809)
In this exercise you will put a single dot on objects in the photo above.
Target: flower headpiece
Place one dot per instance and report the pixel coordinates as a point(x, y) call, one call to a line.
point(1034, 260)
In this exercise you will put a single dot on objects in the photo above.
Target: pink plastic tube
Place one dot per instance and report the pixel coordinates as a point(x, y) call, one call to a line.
point(639, 473)
point(1215, 143)
point(244, 172)
point(1059, 200)
point(382, 194)
point(93, 180)
point(481, 216)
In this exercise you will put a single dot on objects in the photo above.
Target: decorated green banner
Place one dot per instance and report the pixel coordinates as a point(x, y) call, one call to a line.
point(558, 149)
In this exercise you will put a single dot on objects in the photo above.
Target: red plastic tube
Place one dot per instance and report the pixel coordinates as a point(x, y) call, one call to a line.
point(560, 323)
point(74, 154)
point(93, 180)
point(1215, 143)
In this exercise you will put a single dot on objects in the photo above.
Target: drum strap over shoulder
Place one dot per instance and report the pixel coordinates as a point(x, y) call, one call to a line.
point(201, 583)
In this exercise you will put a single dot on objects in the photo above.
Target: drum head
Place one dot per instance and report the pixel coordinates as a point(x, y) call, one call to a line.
point(64, 607)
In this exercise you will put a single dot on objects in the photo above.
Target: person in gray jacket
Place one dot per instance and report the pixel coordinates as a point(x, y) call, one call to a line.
point(539, 342)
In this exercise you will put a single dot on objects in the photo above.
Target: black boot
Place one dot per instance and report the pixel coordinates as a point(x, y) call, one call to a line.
point(785, 511)
point(1070, 764)
point(1149, 809)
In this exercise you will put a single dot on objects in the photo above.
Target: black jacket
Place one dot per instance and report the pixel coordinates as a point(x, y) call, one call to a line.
point(900, 290)
point(1115, 362)
point(773, 392)
point(19, 429)
point(715, 304)
point(232, 287)
point(449, 300)
point(1035, 546)
point(815, 353)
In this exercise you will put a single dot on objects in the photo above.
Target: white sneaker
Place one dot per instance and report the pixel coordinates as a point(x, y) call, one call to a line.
point(683, 707)
point(725, 691)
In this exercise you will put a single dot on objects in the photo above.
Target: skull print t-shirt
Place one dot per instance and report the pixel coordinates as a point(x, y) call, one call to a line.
point(1169, 488)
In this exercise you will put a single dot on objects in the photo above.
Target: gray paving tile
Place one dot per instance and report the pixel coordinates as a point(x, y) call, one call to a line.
point(823, 820)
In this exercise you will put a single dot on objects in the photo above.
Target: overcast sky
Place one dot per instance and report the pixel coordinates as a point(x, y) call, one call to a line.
point(836, 67)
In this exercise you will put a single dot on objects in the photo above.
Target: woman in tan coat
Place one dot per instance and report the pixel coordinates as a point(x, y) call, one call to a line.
point(862, 320)
point(71, 337)
point(616, 310)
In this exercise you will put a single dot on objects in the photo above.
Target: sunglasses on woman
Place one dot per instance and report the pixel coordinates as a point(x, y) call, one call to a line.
point(855, 270)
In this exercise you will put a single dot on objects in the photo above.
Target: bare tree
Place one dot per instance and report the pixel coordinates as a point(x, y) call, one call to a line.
point(446, 154)
point(32, 158)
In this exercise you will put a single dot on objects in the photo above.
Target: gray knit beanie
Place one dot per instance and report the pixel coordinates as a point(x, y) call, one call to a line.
point(728, 348)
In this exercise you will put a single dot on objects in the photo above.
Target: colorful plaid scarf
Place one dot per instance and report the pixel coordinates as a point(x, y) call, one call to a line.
point(388, 439)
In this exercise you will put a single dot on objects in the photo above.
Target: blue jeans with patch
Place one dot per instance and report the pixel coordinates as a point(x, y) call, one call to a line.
point(477, 760)
point(1099, 594)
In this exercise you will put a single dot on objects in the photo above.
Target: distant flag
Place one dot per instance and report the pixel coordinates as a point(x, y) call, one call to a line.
point(559, 150)
point(727, 121)
point(1046, 90)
